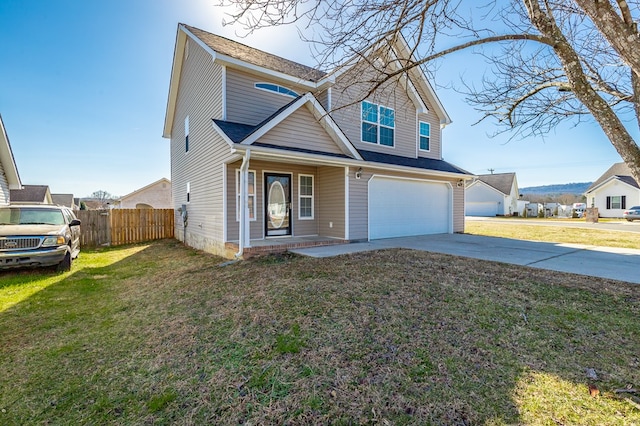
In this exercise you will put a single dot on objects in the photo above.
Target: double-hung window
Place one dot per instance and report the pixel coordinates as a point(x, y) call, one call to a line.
point(378, 124)
point(305, 196)
point(251, 192)
point(186, 134)
point(424, 135)
point(617, 202)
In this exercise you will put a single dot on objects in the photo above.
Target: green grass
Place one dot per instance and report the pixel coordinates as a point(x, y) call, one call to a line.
point(555, 234)
point(159, 334)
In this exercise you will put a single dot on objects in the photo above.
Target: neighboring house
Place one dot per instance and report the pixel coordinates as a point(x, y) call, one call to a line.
point(264, 147)
point(9, 177)
point(492, 195)
point(65, 200)
point(32, 194)
point(156, 195)
point(614, 191)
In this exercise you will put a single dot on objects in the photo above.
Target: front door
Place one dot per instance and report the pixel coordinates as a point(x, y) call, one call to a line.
point(277, 187)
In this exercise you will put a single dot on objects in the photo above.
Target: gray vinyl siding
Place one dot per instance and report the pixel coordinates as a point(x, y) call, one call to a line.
point(248, 105)
point(346, 111)
point(435, 140)
point(324, 192)
point(200, 98)
point(323, 98)
point(458, 207)
point(4, 187)
point(301, 130)
point(330, 201)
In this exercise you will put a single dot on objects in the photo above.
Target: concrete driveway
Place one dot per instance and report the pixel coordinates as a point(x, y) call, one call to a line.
point(605, 262)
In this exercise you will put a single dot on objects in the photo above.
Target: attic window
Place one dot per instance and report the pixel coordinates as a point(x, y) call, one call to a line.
point(277, 89)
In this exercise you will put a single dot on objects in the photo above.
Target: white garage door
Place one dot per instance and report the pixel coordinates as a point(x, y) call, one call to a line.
point(401, 207)
point(481, 208)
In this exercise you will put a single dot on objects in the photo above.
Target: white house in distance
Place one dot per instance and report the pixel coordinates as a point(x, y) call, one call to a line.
point(614, 191)
point(9, 177)
point(492, 195)
point(156, 195)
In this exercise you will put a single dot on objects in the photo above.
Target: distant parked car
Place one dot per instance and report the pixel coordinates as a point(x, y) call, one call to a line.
point(38, 235)
point(632, 214)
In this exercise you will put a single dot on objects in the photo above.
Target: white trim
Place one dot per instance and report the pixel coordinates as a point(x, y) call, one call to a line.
point(607, 181)
point(419, 135)
point(188, 193)
point(224, 92)
point(450, 218)
point(186, 134)
point(222, 134)
point(225, 230)
point(378, 124)
point(329, 99)
point(7, 160)
point(346, 203)
point(313, 196)
point(238, 195)
point(264, 201)
point(277, 92)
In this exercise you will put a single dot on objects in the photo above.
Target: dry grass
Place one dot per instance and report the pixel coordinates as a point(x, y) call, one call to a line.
point(164, 336)
point(556, 234)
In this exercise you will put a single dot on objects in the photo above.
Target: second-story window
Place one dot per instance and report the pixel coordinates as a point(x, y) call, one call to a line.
point(277, 89)
point(378, 124)
point(425, 136)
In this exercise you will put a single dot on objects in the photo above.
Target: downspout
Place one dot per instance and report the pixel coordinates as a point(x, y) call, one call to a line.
point(244, 203)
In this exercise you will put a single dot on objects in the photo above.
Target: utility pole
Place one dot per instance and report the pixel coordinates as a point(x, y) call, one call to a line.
point(491, 170)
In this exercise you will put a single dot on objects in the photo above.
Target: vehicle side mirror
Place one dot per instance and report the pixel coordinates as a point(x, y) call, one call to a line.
point(75, 222)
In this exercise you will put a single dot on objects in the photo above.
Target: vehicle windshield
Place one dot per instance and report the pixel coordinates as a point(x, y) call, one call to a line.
point(30, 216)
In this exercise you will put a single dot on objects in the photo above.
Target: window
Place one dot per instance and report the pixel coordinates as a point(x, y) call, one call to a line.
point(252, 194)
point(305, 197)
point(186, 134)
point(275, 88)
point(188, 192)
point(424, 135)
point(617, 202)
point(378, 124)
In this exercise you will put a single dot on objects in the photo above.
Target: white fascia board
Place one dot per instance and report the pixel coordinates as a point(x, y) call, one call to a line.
point(275, 120)
point(222, 134)
point(292, 156)
point(608, 181)
point(176, 71)
point(7, 160)
point(330, 126)
point(492, 188)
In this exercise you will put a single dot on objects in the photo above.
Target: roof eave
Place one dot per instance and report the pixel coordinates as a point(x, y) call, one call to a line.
point(8, 160)
point(176, 71)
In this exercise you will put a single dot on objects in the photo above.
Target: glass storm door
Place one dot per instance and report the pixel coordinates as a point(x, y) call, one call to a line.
point(278, 204)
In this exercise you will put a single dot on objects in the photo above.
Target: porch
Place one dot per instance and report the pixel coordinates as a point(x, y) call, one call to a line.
point(279, 245)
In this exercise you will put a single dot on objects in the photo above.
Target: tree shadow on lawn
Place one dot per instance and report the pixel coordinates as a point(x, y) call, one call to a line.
point(407, 337)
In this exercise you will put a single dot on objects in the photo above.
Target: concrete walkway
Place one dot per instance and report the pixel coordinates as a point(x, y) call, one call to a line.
point(604, 262)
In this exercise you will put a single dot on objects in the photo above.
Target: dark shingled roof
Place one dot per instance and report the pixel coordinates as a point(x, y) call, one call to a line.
point(256, 57)
point(303, 150)
point(418, 163)
point(237, 132)
point(621, 171)
point(29, 193)
point(500, 181)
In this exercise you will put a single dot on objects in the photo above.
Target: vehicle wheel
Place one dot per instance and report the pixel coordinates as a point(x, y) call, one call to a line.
point(629, 220)
point(65, 265)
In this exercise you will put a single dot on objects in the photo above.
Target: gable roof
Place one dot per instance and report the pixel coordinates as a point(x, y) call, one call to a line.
point(251, 55)
point(248, 135)
point(618, 171)
point(63, 200)
point(502, 182)
point(137, 191)
point(7, 161)
point(31, 194)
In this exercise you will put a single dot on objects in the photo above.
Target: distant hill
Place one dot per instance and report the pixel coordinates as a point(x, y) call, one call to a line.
point(566, 188)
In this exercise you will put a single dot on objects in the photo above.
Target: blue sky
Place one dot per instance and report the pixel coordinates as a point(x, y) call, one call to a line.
point(83, 91)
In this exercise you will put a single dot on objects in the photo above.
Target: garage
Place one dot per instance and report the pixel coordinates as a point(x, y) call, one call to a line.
point(481, 208)
point(405, 207)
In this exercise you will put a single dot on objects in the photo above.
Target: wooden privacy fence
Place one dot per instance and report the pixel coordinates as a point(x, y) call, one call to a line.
point(124, 226)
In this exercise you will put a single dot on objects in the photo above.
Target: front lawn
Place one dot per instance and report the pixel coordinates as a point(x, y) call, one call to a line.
point(159, 334)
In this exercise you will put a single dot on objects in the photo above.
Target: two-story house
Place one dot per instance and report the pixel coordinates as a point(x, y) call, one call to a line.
point(9, 177)
point(267, 152)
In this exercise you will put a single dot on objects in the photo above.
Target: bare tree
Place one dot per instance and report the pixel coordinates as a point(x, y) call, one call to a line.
point(552, 60)
point(104, 197)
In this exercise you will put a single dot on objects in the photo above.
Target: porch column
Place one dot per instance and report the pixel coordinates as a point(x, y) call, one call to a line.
point(244, 237)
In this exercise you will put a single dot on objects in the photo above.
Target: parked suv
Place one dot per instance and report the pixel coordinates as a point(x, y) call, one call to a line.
point(38, 235)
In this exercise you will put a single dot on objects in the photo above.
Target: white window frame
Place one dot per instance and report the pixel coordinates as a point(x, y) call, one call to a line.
point(300, 197)
point(188, 192)
point(276, 88)
point(378, 124)
point(420, 135)
point(253, 196)
point(618, 203)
